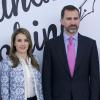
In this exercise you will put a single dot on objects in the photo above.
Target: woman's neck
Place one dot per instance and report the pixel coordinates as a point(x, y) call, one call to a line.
point(21, 55)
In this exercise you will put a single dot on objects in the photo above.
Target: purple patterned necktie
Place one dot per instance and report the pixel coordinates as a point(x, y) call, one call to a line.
point(71, 56)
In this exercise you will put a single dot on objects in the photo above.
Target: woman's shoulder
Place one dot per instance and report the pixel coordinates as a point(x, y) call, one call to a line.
point(36, 72)
point(37, 75)
point(6, 62)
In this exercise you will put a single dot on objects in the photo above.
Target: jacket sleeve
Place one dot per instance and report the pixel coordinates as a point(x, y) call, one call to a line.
point(46, 73)
point(94, 73)
point(39, 91)
point(5, 71)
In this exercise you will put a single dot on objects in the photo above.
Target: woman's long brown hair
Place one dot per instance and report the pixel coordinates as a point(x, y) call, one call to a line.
point(12, 54)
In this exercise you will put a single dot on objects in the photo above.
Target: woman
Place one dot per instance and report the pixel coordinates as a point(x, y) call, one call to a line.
point(20, 76)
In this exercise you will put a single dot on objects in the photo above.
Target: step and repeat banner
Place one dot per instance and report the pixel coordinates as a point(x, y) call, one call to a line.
point(42, 19)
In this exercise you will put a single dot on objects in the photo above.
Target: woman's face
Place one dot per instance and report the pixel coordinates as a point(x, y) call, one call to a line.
point(21, 43)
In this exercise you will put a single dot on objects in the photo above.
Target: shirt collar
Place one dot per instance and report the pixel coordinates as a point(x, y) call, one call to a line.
point(66, 36)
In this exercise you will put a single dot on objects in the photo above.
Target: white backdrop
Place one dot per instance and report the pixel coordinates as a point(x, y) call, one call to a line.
point(42, 17)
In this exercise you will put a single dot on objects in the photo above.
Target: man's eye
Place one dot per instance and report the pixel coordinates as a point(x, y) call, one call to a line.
point(76, 18)
point(19, 40)
point(68, 18)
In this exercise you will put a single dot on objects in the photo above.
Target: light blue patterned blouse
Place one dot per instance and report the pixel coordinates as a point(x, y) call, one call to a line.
point(12, 82)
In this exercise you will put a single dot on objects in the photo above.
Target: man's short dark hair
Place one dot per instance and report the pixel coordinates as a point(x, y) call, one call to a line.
point(70, 8)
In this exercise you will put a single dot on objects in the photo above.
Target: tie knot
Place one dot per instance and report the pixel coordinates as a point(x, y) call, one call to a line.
point(71, 40)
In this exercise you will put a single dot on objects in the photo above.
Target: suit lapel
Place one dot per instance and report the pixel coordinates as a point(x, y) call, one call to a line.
point(63, 55)
point(79, 53)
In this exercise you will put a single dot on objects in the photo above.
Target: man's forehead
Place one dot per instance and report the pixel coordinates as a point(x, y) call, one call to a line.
point(71, 13)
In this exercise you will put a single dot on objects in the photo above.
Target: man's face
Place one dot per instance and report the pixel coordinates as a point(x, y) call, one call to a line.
point(71, 21)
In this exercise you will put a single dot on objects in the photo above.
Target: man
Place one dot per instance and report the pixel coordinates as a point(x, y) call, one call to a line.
point(70, 63)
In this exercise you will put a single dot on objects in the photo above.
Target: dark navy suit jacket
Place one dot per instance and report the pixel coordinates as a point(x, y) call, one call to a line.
point(56, 80)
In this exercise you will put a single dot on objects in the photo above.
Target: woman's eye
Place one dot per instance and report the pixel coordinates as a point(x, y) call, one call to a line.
point(26, 40)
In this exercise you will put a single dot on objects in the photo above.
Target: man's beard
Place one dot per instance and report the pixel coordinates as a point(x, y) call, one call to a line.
point(72, 29)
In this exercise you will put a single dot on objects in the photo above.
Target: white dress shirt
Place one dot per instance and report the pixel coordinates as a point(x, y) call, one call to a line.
point(29, 78)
